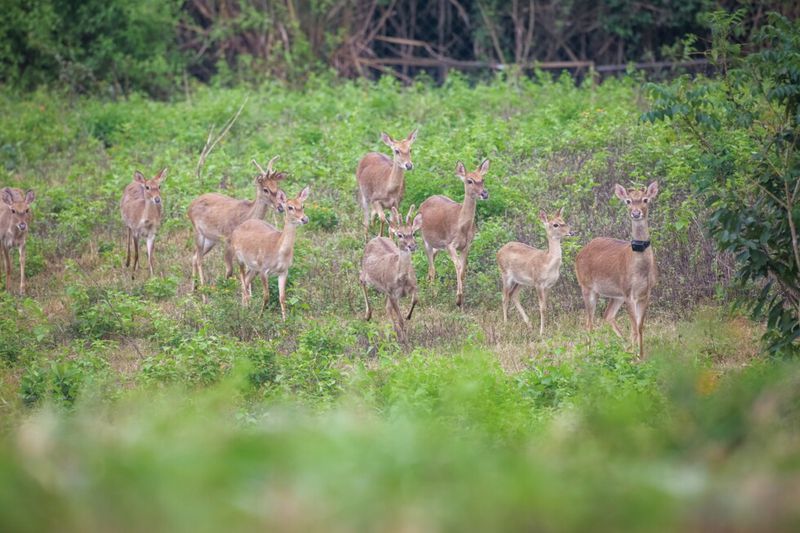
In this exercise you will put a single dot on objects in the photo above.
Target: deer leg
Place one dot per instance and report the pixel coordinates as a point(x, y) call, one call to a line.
point(542, 305)
point(398, 319)
point(22, 255)
point(228, 261)
point(630, 304)
point(382, 216)
point(590, 302)
point(414, 301)
point(506, 290)
point(282, 293)
point(135, 254)
point(248, 279)
point(128, 243)
point(7, 261)
point(368, 312)
point(451, 250)
point(462, 276)
point(611, 311)
point(151, 241)
point(367, 220)
point(642, 312)
point(514, 295)
point(431, 253)
point(265, 300)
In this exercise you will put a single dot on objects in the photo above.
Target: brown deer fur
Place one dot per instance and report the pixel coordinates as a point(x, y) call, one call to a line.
point(142, 212)
point(15, 220)
point(380, 179)
point(387, 268)
point(448, 225)
point(259, 248)
point(522, 265)
point(214, 216)
point(611, 269)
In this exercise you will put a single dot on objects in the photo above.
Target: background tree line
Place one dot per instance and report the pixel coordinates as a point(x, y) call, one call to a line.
point(158, 47)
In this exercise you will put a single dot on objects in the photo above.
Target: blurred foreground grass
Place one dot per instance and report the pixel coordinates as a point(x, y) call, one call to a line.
point(428, 443)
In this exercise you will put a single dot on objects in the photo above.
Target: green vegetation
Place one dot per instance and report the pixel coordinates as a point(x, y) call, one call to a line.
point(131, 405)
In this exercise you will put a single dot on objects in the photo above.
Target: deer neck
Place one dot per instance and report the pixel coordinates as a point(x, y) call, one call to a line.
point(286, 242)
point(640, 231)
point(257, 209)
point(396, 175)
point(467, 214)
point(553, 252)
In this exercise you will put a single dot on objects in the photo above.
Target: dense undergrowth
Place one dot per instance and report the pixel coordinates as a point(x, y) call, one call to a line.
point(131, 405)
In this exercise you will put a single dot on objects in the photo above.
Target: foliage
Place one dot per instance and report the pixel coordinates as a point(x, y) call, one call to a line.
point(123, 47)
point(747, 122)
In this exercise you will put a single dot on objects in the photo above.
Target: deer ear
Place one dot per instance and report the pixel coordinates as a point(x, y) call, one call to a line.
point(304, 193)
point(387, 140)
point(561, 213)
point(161, 175)
point(412, 136)
point(8, 196)
point(620, 191)
point(461, 172)
point(30, 196)
point(652, 190)
point(281, 197)
point(138, 176)
point(278, 176)
point(417, 223)
point(395, 217)
point(543, 216)
point(484, 167)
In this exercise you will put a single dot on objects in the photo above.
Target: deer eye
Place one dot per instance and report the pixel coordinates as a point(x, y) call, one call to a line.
point(28, 210)
point(469, 181)
point(14, 211)
point(147, 187)
point(628, 201)
point(555, 225)
point(644, 200)
point(396, 151)
point(291, 208)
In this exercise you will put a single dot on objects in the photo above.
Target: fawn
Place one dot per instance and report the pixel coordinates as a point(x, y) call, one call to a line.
point(142, 212)
point(380, 179)
point(15, 220)
point(622, 271)
point(214, 216)
point(259, 248)
point(387, 268)
point(522, 265)
point(448, 225)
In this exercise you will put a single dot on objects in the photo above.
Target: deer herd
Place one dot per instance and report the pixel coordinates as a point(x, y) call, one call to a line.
point(620, 270)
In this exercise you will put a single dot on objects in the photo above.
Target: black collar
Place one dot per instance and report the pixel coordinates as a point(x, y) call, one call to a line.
point(639, 246)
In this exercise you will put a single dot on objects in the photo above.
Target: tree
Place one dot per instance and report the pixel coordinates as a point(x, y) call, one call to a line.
point(746, 123)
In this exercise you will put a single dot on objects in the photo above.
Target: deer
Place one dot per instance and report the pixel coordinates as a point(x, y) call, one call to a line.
point(142, 212)
point(522, 265)
point(380, 179)
point(259, 248)
point(214, 216)
point(448, 225)
point(387, 268)
point(622, 271)
point(15, 220)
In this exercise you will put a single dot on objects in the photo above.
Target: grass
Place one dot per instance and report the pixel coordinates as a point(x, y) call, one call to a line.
point(130, 405)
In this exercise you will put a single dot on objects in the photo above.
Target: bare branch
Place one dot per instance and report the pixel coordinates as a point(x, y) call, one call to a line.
point(212, 141)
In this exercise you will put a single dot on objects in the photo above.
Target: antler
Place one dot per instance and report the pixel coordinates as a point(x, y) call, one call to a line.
point(260, 170)
point(269, 165)
point(410, 215)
